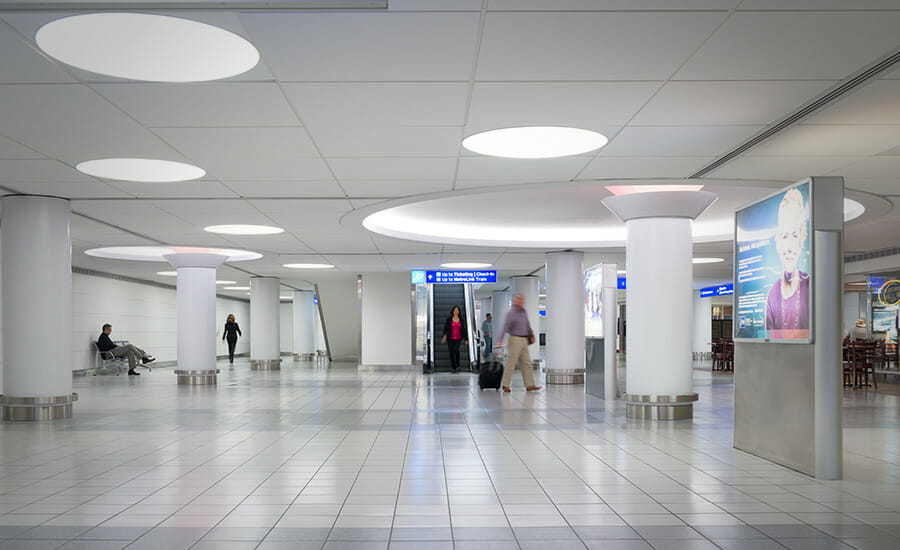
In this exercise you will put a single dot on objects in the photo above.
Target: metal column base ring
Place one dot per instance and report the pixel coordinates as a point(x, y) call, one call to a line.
point(32, 409)
point(197, 377)
point(572, 376)
point(265, 364)
point(660, 407)
point(304, 356)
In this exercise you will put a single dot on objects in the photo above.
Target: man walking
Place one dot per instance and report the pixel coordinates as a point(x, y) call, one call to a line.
point(129, 351)
point(520, 336)
point(487, 333)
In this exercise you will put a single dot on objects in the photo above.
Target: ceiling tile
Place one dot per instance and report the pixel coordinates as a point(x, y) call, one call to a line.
point(417, 168)
point(388, 141)
point(181, 190)
point(249, 153)
point(725, 103)
point(390, 245)
point(880, 186)
point(12, 150)
point(329, 46)
point(610, 5)
point(875, 103)
point(323, 104)
point(403, 262)
point(677, 141)
point(830, 140)
point(590, 46)
point(193, 207)
point(874, 167)
point(286, 189)
point(302, 207)
point(393, 188)
point(361, 262)
point(817, 5)
point(22, 62)
point(787, 169)
point(592, 105)
point(73, 123)
point(520, 170)
point(202, 104)
point(793, 46)
point(643, 167)
point(71, 190)
point(12, 171)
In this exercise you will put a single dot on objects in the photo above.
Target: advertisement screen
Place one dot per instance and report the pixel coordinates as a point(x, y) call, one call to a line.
point(772, 264)
point(593, 302)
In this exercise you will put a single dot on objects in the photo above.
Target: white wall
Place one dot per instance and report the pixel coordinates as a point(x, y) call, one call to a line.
point(286, 315)
point(145, 315)
point(340, 312)
point(386, 311)
point(702, 324)
point(854, 308)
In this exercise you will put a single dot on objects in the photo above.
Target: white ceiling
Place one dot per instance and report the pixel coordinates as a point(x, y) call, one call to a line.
point(347, 109)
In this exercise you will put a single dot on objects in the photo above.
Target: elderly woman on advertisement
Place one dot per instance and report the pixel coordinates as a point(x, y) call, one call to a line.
point(787, 304)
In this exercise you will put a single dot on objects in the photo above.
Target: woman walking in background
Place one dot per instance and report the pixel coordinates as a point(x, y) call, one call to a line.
point(454, 333)
point(232, 330)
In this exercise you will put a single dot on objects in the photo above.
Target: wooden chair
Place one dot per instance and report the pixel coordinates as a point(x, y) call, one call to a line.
point(728, 361)
point(863, 363)
point(718, 354)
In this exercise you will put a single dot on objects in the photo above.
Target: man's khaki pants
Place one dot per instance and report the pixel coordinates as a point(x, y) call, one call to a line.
point(517, 352)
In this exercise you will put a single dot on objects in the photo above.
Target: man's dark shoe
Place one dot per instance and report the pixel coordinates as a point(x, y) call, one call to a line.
point(133, 373)
point(147, 359)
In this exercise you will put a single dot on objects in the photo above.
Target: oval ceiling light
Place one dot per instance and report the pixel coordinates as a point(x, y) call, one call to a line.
point(225, 282)
point(535, 142)
point(309, 266)
point(708, 260)
point(167, 273)
point(140, 170)
point(153, 48)
point(237, 288)
point(237, 229)
point(852, 209)
point(465, 265)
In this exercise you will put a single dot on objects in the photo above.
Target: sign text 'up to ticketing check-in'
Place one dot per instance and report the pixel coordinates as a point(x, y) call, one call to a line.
point(720, 290)
point(446, 277)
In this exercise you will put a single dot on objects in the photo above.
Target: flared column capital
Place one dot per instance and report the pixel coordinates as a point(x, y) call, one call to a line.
point(660, 204)
point(195, 259)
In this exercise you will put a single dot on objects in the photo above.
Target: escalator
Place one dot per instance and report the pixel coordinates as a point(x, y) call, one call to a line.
point(443, 298)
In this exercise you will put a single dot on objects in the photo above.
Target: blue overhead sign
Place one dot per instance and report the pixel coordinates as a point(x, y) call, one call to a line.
point(720, 290)
point(443, 277)
point(620, 283)
point(417, 277)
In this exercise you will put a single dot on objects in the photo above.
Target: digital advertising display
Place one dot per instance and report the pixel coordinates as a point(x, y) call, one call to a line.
point(593, 302)
point(773, 268)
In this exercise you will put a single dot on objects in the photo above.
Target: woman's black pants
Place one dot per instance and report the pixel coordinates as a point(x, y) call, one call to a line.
point(232, 341)
point(453, 347)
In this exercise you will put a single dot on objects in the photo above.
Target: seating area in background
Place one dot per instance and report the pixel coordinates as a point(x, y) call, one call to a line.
point(723, 355)
point(862, 357)
point(107, 363)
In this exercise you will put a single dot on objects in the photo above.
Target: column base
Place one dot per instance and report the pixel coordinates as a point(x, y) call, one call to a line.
point(304, 356)
point(197, 377)
point(33, 409)
point(572, 376)
point(660, 407)
point(265, 364)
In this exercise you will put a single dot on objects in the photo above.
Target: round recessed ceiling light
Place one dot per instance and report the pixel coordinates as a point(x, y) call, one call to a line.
point(620, 272)
point(237, 288)
point(237, 229)
point(852, 209)
point(140, 46)
point(465, 265)
point(309, 266)
point(167, 273)
point(158, 253)
point(708, 260)
point(535, 142)
point(288, 298)
point(140, 170)
point(225, 282)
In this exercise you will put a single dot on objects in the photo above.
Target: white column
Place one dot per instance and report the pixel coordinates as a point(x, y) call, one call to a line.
point(196, 307)
point(565, 317)
point(265, 335)
point(828, 386)
point(702, 326)
point(499, 308)
point(304, 344)
point(527, 286)
point(320, 332)
point(658, 257)
point(37, 308)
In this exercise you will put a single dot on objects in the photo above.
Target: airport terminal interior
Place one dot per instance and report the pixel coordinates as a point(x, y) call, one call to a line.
point(234, 236)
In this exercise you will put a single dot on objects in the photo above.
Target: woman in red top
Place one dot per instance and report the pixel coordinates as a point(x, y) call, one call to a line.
point(454, 333)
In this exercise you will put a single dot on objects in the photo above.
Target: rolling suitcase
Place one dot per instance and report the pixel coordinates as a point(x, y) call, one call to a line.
point(491, 375)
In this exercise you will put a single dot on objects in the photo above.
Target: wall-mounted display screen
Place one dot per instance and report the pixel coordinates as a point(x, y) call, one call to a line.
point(593, 302)
point(884, 320)
point(773, 268)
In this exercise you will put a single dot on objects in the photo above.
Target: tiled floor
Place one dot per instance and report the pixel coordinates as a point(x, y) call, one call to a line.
point(336, 458)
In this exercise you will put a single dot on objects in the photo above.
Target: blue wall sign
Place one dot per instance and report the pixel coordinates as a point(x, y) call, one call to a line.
point(720, 290)
point(444, 277)
point(417, 277)
point(620, 283)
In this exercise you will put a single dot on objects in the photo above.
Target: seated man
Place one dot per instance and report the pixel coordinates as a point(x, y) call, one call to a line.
point(129, 351)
